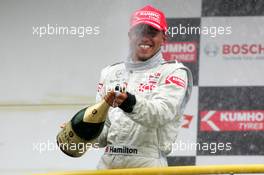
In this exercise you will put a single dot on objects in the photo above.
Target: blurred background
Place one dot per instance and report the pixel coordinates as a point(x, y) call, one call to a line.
point(46, 75)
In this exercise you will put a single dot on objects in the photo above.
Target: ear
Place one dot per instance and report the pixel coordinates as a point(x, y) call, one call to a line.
point(164, 37)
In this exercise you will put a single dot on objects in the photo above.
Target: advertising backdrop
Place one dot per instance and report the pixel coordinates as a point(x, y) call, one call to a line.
point(46, 78)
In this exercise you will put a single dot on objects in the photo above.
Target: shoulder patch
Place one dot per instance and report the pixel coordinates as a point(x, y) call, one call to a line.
point(169, 62)
point(116, 63)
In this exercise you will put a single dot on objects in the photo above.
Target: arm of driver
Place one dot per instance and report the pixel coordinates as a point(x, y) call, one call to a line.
point(164, 105)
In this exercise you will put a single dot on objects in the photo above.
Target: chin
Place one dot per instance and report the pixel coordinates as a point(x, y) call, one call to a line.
point(144, 58)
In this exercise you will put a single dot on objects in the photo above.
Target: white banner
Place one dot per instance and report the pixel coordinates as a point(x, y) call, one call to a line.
point(234, 57)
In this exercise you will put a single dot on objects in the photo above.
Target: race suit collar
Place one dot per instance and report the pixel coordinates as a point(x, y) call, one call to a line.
point(154, 61)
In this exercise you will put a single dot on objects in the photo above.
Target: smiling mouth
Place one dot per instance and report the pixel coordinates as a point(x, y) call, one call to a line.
point(145, 46)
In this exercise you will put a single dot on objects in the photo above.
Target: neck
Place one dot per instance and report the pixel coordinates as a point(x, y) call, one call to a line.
point(132, 64)
point(136, 59)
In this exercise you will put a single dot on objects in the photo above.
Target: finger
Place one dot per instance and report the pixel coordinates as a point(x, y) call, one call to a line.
point(109, 101)
point(115, 105)
point(109, 98)
point(117, 93)
point(119, 101)
point(110, 94)
point(122, 96)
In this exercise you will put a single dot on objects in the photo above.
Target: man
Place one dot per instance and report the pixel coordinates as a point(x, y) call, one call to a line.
point(143, 121)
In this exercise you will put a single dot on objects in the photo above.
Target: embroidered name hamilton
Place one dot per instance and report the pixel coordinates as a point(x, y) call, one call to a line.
point(121, 150)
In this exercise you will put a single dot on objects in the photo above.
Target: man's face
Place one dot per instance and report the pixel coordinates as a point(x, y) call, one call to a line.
point(145, 41)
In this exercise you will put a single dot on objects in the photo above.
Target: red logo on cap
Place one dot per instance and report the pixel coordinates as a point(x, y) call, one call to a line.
point(151, 16)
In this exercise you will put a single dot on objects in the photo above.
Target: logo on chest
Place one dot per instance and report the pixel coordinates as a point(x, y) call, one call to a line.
point(150, 83)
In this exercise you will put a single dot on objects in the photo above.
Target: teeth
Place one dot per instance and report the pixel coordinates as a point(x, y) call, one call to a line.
point(144, 46)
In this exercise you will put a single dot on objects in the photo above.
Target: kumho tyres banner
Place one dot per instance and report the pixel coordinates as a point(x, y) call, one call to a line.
point(233, 116)
point(232, 120)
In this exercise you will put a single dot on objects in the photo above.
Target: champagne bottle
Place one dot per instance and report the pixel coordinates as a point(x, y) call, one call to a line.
point(85, 126)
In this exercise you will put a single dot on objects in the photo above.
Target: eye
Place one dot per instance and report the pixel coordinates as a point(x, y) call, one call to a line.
point(145, 30)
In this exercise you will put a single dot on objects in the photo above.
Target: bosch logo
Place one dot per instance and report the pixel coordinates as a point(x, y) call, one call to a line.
point(242, 49)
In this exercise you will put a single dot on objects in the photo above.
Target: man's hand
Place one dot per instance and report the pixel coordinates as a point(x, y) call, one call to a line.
point(120, 98)
point(110, 97)
point(115, 99)
point(123, 100)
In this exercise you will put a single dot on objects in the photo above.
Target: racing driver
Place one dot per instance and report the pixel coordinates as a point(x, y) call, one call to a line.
point(145, 116)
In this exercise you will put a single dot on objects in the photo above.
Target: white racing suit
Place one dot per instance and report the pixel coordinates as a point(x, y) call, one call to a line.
point(143, 137)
